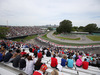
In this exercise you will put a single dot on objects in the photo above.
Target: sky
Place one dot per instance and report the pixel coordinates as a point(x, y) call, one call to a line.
point(46, 12)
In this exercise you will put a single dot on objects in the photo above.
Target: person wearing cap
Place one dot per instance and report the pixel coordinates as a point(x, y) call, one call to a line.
point(41, 71)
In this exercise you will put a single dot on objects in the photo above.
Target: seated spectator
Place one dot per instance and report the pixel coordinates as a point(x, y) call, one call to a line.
point(79, 62)
point(40, 54)
point(94, 62)
point(35, 53)
point(29, 65)
point(1, 56)
point(54, 72)
point(8, 56)
point(30, 49)
point(23, 53)
point(54, 62)
point(85, 64)
point(48, 53)
point(22, 62)
point(38, 64)
point(33, 49)
point(16, 60)
point(63, 61)
point(87, 59)
point(98, 62)
point(70, 62)
point(76, 57)
point(41, 71)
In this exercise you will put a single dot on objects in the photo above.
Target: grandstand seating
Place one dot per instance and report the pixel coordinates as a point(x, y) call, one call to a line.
point(65, 70)
point(17, 31)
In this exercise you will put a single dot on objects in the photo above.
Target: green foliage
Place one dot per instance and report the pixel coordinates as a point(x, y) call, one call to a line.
point(81, 29)
point(64, 38)
point(94, 38)
point(64, 27)
point(91, 28)
point(55, 33)
point(75, 28)
point(64, 43)
point(3, 31)
point(50, 28)
point(26, 38)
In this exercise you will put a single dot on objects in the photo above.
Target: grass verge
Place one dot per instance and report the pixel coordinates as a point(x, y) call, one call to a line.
point(25, 38)
point(94, 38)
point(64, 38)
point(64, 43)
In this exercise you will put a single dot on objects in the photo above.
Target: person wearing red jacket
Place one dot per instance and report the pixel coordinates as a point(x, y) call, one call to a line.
point(54, 62)
point(39, 54)
point(85, 64)
point(23, 53)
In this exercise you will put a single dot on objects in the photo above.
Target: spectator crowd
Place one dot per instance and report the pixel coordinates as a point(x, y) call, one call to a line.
point(17, 31)
point(11, 52)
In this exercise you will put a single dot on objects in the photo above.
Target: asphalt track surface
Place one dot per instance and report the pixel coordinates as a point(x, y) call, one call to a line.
point(84, 39)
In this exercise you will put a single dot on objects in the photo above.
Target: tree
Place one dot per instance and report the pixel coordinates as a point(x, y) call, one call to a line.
point(81, 28)
point(91, 28)
point(50, 28)
point(75, 28)
point(3, 32)
point(65, 26)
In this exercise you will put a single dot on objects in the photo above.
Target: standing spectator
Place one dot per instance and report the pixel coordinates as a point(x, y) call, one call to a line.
point(38, 64)
point(79, 62)
point(40, 54)
point(70, 62)
point(29, 65)
point(63, 61)
point(85, 64)
point(54, 62)
point(8, 56)
point(41, 71)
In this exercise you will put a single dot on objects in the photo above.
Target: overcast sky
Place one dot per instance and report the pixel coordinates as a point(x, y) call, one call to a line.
point(43, 12)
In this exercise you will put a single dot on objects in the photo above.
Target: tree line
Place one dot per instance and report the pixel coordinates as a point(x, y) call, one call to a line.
point(65, 26)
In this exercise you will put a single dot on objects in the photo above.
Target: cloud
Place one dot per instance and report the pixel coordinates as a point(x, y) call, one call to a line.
point(42, 12)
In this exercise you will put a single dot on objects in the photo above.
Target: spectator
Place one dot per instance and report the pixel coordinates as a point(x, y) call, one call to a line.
point(29, 65)
point(23, 53)
point(35, 53)
point(40, 54)
point(22, 62)
point(38, 64)
point(48, 53)
point(76, 57)
point(63, 61)
point(70, 62)
point(54, 62)
point(8, 56)
point(41, 71)
point(54, 72)
point(85, 64)
point(79, 62)
point(1, 56)
point(98, 62)
point(16, 60)
point(30, 49)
